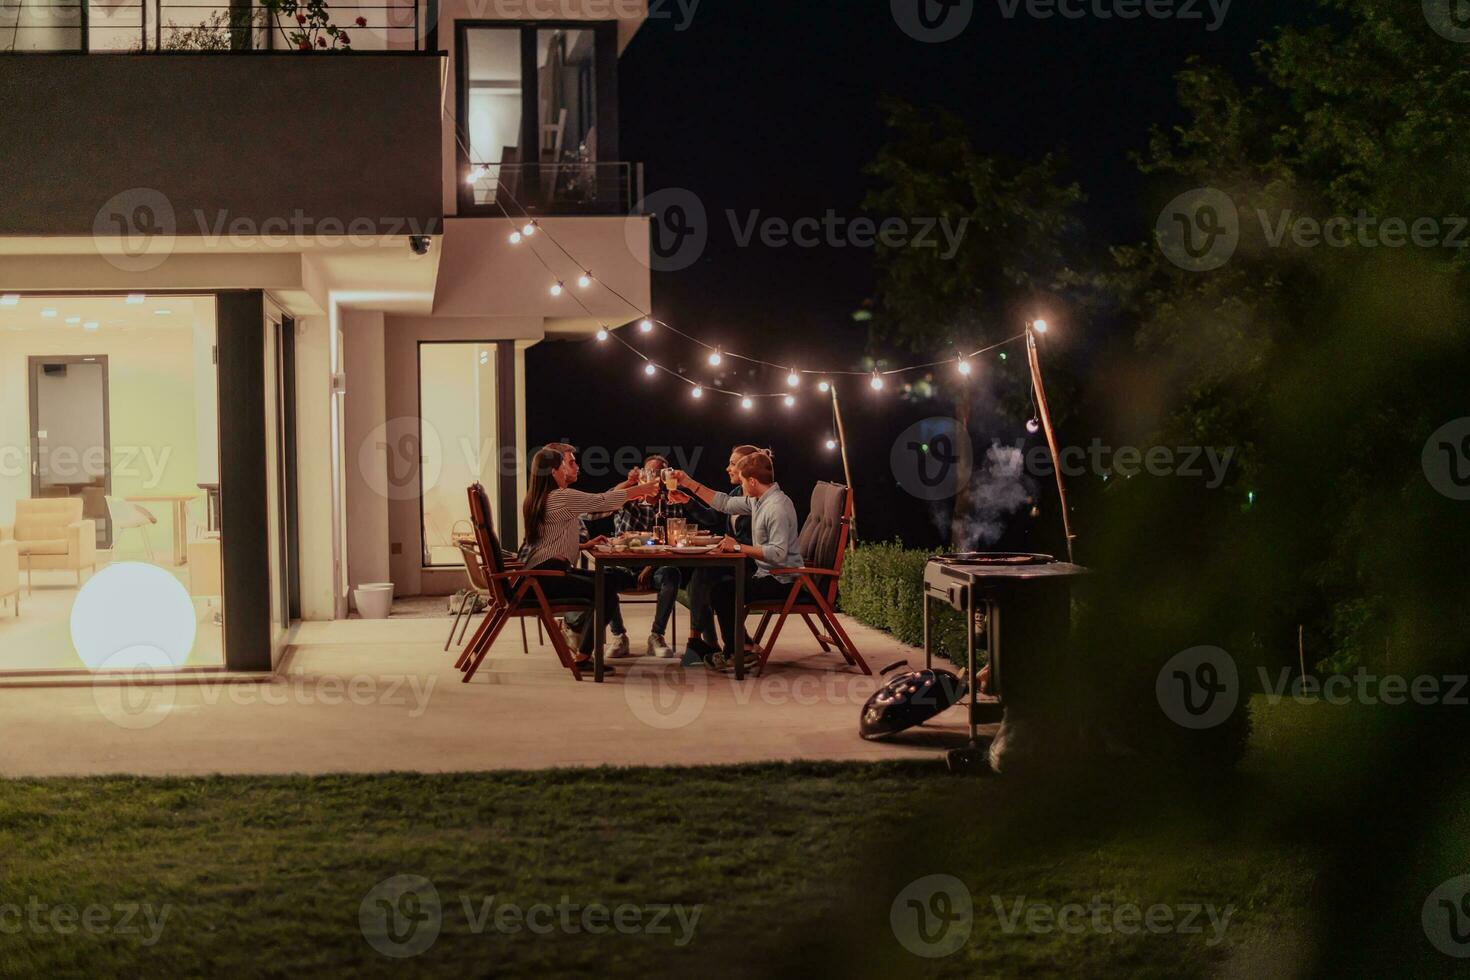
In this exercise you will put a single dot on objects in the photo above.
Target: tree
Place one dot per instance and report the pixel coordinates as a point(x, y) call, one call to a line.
point(1018, 231)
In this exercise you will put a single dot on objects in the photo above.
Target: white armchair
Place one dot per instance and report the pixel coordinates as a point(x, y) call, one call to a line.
point(50, 534)
point(9, 571)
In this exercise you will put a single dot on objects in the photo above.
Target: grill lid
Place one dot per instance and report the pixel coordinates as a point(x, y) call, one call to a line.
point(908, 698)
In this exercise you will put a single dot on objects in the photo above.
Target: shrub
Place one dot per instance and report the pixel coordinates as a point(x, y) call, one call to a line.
point(883, 587)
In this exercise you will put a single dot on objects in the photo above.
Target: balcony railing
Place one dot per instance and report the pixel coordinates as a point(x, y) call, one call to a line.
point(182, 25)
point(555, 188)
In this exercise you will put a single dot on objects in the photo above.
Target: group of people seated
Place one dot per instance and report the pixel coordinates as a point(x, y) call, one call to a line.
point(755, 519)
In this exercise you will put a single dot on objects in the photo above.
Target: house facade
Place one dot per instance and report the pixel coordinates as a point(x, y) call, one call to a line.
point(264, 311)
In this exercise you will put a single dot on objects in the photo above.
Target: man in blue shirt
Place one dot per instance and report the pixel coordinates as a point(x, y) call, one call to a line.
point(774, 545)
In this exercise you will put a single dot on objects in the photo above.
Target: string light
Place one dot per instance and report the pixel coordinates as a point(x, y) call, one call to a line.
point(824, 387)
point(746, 403)
point(585, 280)
point(649, 369)
point(790, 401)
point(831, 444)
point(877, 381)
point(528, 229)
point(965, 367)
point(698, 392)
point(476, 175)
point(1033, 426)
point(601, 334)
point(715, 357)
point(646, 326)
point(515, 238)
point(556, 289)
point(794, 378)
point(1039, 326)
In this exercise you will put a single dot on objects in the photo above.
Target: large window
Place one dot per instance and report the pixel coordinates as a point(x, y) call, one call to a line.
point(109, 463)
point(459, 441)
point(536, 110)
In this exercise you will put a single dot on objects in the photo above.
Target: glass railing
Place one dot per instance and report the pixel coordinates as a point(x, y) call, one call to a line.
point(554, 188)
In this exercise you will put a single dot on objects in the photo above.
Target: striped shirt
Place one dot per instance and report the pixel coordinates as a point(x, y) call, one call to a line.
point(561, 527)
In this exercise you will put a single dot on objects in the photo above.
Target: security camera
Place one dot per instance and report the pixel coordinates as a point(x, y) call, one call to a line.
point(420, 244)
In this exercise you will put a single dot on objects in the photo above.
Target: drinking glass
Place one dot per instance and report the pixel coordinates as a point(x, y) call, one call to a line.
point(678, 530)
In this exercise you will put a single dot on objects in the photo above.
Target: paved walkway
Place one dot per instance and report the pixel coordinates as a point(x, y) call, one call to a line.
point(360, 696)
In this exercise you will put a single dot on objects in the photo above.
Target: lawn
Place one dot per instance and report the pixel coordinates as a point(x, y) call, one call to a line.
point(786, 867)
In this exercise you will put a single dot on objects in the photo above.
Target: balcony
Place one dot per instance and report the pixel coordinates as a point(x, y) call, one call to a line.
point(202, 144)
point(85, 26)
point(513, 190)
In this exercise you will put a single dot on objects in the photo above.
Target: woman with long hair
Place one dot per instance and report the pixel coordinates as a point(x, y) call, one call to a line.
point(552, 513)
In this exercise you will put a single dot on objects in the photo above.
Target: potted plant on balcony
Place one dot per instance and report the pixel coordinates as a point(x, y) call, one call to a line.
point(308, 25)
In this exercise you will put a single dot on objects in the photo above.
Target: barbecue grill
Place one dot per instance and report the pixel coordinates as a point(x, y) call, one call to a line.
point(1018, 608)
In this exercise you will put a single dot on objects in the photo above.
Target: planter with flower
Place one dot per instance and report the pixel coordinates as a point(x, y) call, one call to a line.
point(307, 25)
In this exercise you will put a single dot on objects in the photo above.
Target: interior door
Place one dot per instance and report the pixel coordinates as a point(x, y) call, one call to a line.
point(71, 447)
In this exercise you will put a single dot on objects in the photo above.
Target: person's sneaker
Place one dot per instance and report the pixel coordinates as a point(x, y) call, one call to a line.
point(574, 640)
point(619, 648)
point(695, 651)
point(659, 647)
point(721, 663)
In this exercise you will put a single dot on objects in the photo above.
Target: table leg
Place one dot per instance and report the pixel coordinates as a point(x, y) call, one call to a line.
point(739, 636)
point(181, 532)
point(598, 622)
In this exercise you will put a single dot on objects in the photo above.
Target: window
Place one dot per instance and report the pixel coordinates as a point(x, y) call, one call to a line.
point(458, 441)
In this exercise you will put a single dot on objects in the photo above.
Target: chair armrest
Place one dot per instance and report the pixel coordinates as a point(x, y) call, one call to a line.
point(804, 571)
point(7, 532)
point(81, 541)
point(530, 573)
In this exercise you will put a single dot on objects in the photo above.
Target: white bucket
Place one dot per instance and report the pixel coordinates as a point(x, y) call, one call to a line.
point(374, 599)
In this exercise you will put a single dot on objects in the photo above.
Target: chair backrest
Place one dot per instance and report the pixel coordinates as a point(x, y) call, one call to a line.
point(45, 518)
point(823, 539)
point(491, 561)
point(470, 552)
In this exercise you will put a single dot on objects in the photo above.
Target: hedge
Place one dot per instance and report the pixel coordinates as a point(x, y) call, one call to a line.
point(883, 587)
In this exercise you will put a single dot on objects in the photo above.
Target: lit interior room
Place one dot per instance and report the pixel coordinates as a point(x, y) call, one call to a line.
point(109, 483)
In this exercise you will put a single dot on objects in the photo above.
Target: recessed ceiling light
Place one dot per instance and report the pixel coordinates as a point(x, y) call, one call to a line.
point(136, 298)
point(9, 299)
point(48, 313)
point(90, 325)
point(162, 312)
point(73, 319)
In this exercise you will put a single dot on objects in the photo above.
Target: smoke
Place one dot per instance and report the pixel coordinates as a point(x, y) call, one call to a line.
point(998, 489)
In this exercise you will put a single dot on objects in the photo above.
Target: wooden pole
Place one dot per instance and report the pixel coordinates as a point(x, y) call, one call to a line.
point(1051, 438)
point(846, 470)
point(1301, 648)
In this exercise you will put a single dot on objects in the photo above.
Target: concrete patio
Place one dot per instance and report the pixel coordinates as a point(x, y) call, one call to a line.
point(360, 696)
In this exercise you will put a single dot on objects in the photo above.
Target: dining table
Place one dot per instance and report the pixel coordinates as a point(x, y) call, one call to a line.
point(179, 502)
point(658, 557)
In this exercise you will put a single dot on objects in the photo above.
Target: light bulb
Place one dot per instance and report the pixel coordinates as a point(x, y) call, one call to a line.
point(965, 367)
point(528, 229)
point(476, 174)
point(1039, 326)
point(824, 387)
point(515, 238)
point(649, 369)
point(602, 334)
point(877, 381)
point(1033, 426)
point(831, 443)
point(698, 392)
point(585, 280)
point(747, 404)
point(556, 289)
point(790, 401)
point(794, 378)
point(715, 358)
point(646, 326)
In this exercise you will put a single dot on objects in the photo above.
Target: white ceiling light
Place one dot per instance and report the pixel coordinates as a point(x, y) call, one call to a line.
point(90, 325)
point(136, 298)
point(9, 299)
point(73, 319)
point(48, 313)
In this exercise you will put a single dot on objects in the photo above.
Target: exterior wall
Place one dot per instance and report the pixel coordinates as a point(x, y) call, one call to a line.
point(367, 451)
point(315, 463)
point(343, 139)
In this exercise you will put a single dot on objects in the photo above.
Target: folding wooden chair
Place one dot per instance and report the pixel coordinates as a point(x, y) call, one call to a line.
point(515, 594)
point(814, 591)
point(479, 588)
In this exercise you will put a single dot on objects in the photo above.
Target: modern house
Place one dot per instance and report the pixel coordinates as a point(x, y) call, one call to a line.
point(262, 317)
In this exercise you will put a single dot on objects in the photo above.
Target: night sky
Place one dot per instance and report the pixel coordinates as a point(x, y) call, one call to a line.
point(760, 105)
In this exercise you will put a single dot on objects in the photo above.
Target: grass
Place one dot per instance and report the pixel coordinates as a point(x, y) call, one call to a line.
point(791, 866)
